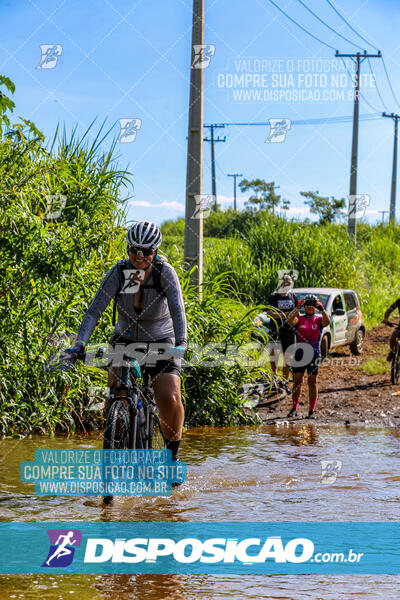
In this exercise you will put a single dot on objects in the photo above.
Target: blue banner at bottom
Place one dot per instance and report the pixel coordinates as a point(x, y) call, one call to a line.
point(234, 548)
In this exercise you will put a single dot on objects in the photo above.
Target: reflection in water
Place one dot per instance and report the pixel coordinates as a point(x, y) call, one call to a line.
point(195, 587)
point(298, 435)
point(142, 586)
point(263, 473)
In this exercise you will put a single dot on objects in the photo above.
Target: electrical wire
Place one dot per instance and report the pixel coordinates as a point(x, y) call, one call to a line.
point(314, 121)
point(329, 27)
point(348, 24)
point(389, 82)
point(301, 26)
point(370, 44)
point(376, 87)
point(362, 95)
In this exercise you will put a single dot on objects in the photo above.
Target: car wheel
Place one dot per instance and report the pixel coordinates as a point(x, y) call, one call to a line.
point(357, 345)
point(324, 346)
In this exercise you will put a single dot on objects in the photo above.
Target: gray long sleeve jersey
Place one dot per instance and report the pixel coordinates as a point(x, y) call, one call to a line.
point(162, 316)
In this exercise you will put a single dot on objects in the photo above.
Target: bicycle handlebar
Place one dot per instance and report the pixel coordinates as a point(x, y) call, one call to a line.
point(391, 324)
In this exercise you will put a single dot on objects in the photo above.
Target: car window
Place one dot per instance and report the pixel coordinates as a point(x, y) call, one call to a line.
point(350, 301)
point(337, 303)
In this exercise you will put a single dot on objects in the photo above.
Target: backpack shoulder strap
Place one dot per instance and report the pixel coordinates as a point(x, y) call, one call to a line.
point(121, 265)
point(158, 264)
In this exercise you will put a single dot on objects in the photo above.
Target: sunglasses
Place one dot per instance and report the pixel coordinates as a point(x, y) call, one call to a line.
point(137, 249)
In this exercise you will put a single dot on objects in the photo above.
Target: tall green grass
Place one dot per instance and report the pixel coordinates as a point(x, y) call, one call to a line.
point(251, 248)
point(50, 270)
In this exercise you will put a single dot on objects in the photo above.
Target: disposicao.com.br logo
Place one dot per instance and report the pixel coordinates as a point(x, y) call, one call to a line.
point(202, 547)
point(212, 550)
point(191, 550)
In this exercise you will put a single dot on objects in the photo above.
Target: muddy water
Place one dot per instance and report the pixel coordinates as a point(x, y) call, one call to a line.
point(268, 473)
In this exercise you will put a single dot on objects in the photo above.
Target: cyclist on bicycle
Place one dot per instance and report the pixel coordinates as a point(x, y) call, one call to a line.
point(309, 327)
point(281, 303)
point(147, 315)
point(396, 331)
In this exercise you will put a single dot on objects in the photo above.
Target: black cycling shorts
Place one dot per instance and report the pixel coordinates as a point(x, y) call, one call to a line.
point(312, 367)
point(173, 366)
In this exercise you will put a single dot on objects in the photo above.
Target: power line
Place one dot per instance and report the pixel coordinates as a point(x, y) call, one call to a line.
point(348, 24)
point(376, 87)
point(362, 95)
point(301, 26)
point(314, 121)
point(373, 46)
point(329, 27)
point(390, 85)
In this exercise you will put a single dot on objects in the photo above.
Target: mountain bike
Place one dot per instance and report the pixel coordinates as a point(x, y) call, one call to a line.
point(395, 366)
point(266, 391)
point(132, 422)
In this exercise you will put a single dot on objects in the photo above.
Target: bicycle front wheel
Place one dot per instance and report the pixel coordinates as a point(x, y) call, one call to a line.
point(116, 432)
point(157, 440)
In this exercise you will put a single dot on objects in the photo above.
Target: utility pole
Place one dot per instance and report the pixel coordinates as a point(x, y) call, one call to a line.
point(383, 212)
point(212, 139)
point(234, 175)
point(352, 221)
point(392, 214)
point(193, 243)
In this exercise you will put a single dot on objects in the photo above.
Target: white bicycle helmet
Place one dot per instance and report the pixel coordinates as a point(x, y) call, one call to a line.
point(144, 234)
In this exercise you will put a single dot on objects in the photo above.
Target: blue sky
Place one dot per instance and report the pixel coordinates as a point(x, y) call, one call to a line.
point(125, 59)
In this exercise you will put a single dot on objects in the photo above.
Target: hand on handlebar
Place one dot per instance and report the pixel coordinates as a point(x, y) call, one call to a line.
point(176, 352)
point(77, 352)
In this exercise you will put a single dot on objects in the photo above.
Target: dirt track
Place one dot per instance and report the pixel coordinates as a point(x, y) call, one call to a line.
point(347, 395)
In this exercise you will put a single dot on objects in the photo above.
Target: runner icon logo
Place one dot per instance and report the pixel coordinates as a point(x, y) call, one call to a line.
point(330, 470)
point(202, 54)
point(128, 130)
point(50, 55)
point(61, 552)
point(278, 129)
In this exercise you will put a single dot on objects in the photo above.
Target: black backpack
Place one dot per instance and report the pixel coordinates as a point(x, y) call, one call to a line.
point(125, 263)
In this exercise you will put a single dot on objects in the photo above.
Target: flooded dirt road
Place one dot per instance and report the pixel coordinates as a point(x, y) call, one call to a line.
point(264, 473)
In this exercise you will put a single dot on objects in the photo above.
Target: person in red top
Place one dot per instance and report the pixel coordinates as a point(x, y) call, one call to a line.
point(309, 327)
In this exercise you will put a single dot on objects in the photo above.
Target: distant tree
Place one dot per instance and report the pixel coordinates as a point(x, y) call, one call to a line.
point(264, 197)
point(327, 209)
point(5, 102)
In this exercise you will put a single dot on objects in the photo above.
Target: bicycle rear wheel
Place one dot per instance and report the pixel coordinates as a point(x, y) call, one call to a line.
point(395, 370)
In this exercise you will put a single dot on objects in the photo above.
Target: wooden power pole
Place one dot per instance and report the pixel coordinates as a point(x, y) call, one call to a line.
point(234, 175)
point(392, 213)
point(193, 244)
point(352, 217)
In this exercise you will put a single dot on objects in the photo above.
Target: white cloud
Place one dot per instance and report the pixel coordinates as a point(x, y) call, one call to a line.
point(173, 205)
point(298, 210)
point(140, 203)
point(225, 199)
